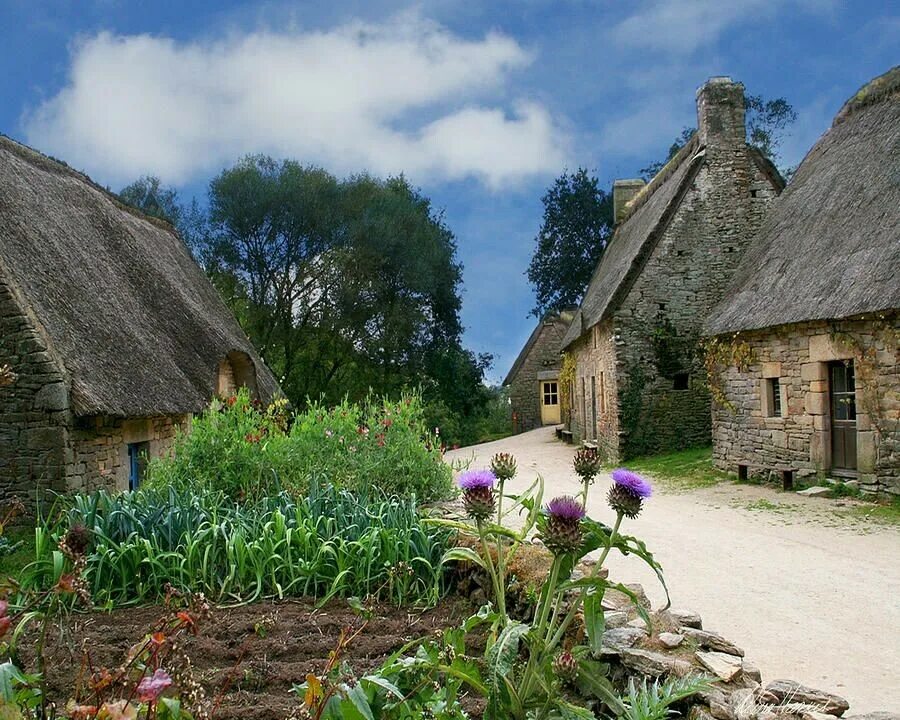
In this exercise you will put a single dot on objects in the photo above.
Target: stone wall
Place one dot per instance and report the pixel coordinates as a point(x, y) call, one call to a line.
point(33, 410)
point(100, 446)
point(744, 433)
point(687, 273)
point(595, 356)
point(542, 360)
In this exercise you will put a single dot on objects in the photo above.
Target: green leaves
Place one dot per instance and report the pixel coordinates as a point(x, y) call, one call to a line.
point(330, 543)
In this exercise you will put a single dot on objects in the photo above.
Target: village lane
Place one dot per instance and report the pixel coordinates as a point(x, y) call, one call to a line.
point(810, 595)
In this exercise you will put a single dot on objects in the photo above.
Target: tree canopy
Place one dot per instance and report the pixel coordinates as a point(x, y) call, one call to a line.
point(577, 224)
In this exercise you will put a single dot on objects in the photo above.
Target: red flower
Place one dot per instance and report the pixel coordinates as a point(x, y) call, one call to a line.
point(150, 688)
point(252, 437)
point(231, 400)
point(380, 438)
point(5, 622)
point(66, 584)
point(387, 422)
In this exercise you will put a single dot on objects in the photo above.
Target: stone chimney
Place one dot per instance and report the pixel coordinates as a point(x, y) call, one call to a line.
point(623, 192)
point(720, 113)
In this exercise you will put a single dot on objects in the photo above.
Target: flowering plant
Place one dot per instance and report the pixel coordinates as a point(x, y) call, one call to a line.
point(534, 684)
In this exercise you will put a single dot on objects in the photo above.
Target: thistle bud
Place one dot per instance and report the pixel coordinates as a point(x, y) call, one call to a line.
point(478, 493)
point(562, 533)
point(565, 667)
point(587, 464)
point(503, 466)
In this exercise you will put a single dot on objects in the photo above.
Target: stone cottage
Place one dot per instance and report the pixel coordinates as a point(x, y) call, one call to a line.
point(533, 379)
point(111, 331)
point(807, 369)
point(640, 385)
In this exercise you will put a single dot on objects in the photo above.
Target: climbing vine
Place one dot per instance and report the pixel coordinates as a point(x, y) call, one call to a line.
point(886, 331)
point(720, 353)
point(566, 385)
point(673, 353)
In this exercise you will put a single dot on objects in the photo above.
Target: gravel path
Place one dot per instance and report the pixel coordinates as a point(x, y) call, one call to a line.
point(809, 596)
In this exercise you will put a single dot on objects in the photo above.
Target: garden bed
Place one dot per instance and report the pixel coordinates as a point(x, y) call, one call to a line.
point(248, 658)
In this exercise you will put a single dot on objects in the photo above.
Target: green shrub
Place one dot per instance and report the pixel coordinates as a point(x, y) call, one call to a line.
point(247, 452)
point(329, 543)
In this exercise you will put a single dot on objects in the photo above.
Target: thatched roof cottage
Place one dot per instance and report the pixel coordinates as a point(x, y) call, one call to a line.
point(113, 333)
point(807, 338)
point(533, 379)
point(640, 385)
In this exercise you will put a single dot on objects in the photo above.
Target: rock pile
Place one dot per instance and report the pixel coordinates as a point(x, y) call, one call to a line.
point(678, 645)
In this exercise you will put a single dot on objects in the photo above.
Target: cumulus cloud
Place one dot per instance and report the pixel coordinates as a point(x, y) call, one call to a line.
point(406, 95)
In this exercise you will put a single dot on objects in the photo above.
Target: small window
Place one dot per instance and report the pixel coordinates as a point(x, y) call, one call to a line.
point(551, 393)
point(681, 381)
point(773, 389)
point(138, 454)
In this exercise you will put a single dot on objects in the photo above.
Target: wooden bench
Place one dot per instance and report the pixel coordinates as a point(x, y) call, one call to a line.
point(589, 444)
point(566, 436)
point(787, 475)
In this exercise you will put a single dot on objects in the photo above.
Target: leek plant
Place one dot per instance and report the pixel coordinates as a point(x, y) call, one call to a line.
point(329, 543)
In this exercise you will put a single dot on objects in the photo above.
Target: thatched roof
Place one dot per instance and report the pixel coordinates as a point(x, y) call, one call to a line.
point(564, 317)
point(635, 237)
point(131, 317)
point(830, 247)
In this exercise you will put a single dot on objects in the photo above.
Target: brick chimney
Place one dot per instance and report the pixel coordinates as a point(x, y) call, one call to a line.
point(720, 113)
point(623, 192)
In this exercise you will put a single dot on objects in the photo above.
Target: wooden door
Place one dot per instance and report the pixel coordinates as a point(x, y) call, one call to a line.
point(842, 384)
point(549, 402)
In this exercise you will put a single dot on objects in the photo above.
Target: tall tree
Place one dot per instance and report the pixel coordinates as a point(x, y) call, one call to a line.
point(766, 120)
point(577, 224)
point(151, 197)
point(345, 286)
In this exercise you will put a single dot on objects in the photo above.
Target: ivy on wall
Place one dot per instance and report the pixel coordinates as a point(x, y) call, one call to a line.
point(673, 353)
point(566, 385)
point(720, 353)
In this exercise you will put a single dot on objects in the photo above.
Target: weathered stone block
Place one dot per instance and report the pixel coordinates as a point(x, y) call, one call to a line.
point(52, 397)
point(817, 403)
point(813, 371)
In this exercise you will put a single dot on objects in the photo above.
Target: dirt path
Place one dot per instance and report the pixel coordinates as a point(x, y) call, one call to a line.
point(809, 596)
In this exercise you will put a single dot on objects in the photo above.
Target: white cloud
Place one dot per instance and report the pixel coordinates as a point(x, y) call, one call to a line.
point(406, 96)
point(683, 26)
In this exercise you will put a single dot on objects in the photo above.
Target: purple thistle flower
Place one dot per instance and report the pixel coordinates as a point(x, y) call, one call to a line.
point(565, 508)
point(562, 531)
point(472, 479)
point(632, 482)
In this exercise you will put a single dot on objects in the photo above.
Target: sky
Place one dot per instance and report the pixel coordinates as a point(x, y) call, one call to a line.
point(479, 104)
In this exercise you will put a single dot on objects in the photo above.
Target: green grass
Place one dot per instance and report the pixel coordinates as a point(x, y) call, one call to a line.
point(681, 470)
point(12, 563)
point(880, 513)
point(768, 506)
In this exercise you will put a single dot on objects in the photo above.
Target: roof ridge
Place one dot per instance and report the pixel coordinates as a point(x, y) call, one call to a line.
point(665, 172)
point(51, 164)
point(873, 92)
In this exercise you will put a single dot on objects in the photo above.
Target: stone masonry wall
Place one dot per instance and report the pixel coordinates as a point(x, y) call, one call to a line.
point(595, 357)
point(33, 410)
point(686, 274)
point(798, 355)
point(543, 357)
point(100, 447)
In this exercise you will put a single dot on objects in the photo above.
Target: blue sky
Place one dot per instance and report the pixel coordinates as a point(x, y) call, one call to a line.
point(481, 104)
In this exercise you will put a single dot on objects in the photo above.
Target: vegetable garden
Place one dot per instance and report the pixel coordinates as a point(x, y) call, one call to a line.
point(284, 566)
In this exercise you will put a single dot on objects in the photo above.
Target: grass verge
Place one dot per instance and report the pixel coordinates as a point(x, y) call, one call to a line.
point(681, 470)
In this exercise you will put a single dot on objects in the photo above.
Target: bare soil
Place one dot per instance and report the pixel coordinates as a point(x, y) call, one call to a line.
point(247, 658)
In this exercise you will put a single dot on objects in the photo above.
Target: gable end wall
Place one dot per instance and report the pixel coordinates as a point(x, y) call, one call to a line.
point(34, 410)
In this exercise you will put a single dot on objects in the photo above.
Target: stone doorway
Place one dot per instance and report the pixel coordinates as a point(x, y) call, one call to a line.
point(842, 390)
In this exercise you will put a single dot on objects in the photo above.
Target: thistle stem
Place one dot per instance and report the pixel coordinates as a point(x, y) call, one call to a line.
point(499, 590)
point(573, 611)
